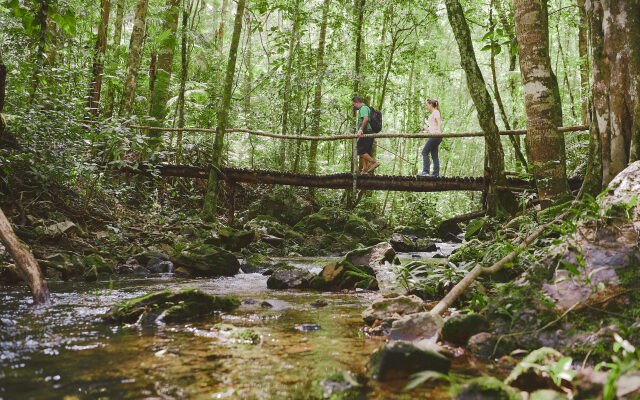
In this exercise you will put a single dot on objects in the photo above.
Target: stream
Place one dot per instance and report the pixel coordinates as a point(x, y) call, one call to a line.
point(67, 351)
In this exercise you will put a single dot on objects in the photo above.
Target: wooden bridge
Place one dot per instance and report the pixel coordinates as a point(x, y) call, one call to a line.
point(334, 181)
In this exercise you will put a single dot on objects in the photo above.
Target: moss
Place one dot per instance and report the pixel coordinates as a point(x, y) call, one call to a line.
point(344, 275)
point(101, 266)
point(178, 305)
point(246, 335)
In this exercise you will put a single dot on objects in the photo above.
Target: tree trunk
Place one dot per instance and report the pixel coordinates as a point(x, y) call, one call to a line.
point(394, 42)
point(583, 49)
point(93, 97)
point(546, 144)
point(615, 42)
point(359, 20)
point(41, 20)
point(287, 81)
point(317, 100)
point(211, 197)
point(248, 79)
point(117, 39)
point(184, 71)
point(499, 201)
point(26, 263)
point(566, 74)
point(164, 68)
point(515, 140)
point(3, 85)
point(133, 60)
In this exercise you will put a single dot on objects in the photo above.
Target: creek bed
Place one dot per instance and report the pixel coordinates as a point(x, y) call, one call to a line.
point(66, 349)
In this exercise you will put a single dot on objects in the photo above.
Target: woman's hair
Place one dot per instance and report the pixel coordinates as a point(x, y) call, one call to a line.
point(357, 99)
point(435, 103)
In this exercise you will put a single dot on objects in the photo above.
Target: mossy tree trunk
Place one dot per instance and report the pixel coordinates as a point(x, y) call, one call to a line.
point(498, 201)
point(211, 197)
point(287, 81)
point(317, 99)
point(133, 60)
point(93, 97)
point(109, 103)
point(359, 22)
point(164, 67)
point(3, 86)
point(187, 7)
point(615, 41)
point(545, 142)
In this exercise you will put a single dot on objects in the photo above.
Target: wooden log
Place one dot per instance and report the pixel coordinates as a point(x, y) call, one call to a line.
point(467, 217)
point(343, 137)
point(27, 264)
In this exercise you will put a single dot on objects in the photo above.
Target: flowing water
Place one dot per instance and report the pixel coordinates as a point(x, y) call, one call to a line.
point(67, 351)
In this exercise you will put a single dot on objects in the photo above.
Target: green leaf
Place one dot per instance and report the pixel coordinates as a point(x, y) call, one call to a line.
point(422, 377)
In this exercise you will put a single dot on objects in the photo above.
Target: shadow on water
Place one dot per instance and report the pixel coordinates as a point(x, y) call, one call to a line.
point(66, 349)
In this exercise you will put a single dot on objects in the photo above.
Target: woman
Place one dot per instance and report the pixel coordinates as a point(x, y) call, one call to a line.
point(435, 120)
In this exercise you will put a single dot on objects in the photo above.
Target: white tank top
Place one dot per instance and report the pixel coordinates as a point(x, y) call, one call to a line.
point(434, 124)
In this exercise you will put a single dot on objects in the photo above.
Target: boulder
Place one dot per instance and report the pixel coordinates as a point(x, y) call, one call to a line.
point(599, 249)
point(424, 325)
point(282, 203)
point(528, 375)
point(459, 328)
point(100, 264)
point(344, 275)
point(340, 386)
point(448, 229)
point(401, 359)
point(425, 245)
point(402, 243)
point(484, 345)
point(235, 240)
point(372, 255)
point(255, 263)
point(487, 388)
point(392, 307)
point(357, 226)
point(288, 277)
point(208, 260)
point(185, 304)
point(58, 229)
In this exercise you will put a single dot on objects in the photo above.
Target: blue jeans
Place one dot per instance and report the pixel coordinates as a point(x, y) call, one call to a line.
point(431, 148)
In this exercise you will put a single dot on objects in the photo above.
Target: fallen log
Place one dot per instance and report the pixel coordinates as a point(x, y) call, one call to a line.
point(28, 267)
point(466, 217)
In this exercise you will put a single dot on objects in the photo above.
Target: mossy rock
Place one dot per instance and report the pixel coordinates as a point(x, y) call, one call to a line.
point(459, 328)
point(401, 359)
point(340, 385)
point(358, 226)
point(256, 263)
point(324, 220)
point(487, 388)
point(376, 254)
point(448, 228)
point(235, 240)
point(288, 277)
point(100, 264)
point(282, 203)
point(387, 307)
point(208, 260)
point(344, 275)
point(419, 231)
point(185, 304)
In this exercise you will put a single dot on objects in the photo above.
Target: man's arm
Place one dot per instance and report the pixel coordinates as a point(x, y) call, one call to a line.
point(365, 120)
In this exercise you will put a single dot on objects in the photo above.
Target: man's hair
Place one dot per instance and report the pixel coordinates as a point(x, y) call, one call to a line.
point(356, 99)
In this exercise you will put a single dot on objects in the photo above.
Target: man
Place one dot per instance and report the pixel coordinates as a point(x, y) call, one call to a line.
point(365, 145)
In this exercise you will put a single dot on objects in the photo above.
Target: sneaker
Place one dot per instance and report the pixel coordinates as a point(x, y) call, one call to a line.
point(434, 176)
point(423, 173)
